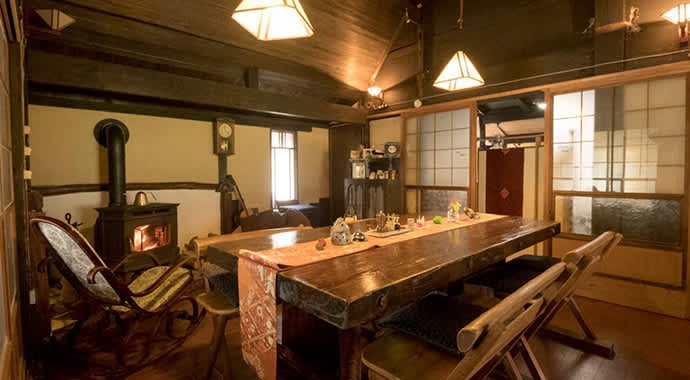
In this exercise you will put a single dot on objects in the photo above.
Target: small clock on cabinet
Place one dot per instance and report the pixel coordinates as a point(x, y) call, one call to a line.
point(224, 137)
point(391, 149)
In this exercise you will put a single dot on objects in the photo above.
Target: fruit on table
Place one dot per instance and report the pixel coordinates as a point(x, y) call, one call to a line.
point(437, 219)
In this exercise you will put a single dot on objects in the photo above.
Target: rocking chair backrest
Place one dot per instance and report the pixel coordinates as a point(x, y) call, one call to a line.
point(75, 258)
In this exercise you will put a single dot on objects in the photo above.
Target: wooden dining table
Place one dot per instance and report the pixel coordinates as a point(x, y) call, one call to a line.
point(351, 291)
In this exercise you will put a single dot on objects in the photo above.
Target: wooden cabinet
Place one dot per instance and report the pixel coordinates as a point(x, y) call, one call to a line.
point(366, 197)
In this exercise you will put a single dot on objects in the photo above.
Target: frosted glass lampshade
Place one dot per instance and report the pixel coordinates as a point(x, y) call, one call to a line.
point(677, 14)
point(374, 90)
point(459, 74)
point(273, 19)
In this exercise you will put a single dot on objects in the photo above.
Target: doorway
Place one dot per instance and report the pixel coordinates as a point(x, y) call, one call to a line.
point(510, 159)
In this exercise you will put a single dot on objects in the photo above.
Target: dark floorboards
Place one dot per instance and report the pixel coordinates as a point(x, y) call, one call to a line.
point(648, 347)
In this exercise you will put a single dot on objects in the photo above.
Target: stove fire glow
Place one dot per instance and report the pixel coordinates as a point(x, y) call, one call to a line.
point(150, 236)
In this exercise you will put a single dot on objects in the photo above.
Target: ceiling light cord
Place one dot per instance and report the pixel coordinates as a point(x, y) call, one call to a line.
point(461, 19)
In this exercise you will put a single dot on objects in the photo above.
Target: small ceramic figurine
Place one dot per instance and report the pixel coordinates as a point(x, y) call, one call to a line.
point(381, 221)
point(340, 233)
point(320, 245)
point(359, 236)
point(471, 213)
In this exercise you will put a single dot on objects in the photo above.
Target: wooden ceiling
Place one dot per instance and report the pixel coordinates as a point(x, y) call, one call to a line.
point(350, 40)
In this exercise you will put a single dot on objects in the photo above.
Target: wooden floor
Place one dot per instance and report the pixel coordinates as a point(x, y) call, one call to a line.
point(648, 346)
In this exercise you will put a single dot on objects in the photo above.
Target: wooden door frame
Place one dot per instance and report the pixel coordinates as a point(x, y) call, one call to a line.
point(12, 362)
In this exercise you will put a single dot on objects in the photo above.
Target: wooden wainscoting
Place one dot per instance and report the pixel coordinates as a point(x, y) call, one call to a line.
point(644, 278)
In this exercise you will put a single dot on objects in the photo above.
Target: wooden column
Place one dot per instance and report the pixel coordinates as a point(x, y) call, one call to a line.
point(472, 196)
point(685, 203)
point(403, 164)
point(548, 166)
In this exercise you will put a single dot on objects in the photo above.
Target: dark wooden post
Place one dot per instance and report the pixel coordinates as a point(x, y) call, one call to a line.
point(229, 207)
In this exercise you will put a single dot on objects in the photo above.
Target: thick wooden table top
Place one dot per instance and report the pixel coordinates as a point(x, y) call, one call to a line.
point(350, 290)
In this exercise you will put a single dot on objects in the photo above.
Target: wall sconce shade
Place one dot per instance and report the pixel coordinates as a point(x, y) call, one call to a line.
point(55, 19)
point(459, 74)
point(273, 19)
point(374, 90)
point(679, 15)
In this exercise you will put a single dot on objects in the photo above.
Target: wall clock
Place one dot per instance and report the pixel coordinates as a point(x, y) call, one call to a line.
point(224, 137)
point(391, 149)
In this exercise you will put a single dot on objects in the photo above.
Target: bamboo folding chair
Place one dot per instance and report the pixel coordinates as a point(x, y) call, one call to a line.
point(504, 278)
point(431, 344)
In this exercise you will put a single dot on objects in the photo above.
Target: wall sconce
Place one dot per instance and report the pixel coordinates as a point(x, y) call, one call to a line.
point(375, 101)
point(679, 16)
point(374, 91)
point(55, 19)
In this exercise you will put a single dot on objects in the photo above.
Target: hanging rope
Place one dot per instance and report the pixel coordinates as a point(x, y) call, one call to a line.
point(461, 19)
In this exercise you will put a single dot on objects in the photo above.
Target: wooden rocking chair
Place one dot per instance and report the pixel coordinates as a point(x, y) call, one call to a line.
point(156, 293)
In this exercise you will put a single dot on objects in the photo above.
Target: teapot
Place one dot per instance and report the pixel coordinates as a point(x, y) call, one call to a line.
point(140, 199)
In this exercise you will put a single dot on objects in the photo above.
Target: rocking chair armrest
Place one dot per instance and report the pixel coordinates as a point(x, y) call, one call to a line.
point(91, 276)
point(134, 255)
point(164, 277)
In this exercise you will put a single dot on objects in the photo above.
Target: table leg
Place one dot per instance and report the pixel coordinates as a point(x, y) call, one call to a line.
point(350, 352)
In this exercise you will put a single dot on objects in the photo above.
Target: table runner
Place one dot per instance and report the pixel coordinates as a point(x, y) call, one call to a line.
point(257, 273)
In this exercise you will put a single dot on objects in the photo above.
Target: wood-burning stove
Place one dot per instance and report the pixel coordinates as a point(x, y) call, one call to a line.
point(123, 229)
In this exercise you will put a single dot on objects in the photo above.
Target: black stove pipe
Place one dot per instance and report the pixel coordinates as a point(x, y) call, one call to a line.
point(113, 134)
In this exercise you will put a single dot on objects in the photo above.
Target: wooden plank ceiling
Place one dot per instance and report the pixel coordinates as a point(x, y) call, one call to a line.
point(349, 42)
point(138, 51)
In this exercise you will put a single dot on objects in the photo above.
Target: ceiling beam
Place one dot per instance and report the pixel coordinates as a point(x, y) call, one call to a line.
point(90, 75)
point(118, 35)
point(524, 105)
point(511, 114)
point(66, 98)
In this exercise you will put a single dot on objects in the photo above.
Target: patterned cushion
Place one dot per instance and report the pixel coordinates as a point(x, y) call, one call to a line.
point(436, 319)
point(222, 280)
point(507, 277)
point(163, 293)
point(77, 261)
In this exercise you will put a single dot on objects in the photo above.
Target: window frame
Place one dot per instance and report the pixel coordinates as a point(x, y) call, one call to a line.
point(681, 198)
point(471, 188)
point(274, 202)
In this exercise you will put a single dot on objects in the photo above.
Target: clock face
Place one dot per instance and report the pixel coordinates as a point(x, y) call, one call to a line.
point(225, 130)
point(392, 149)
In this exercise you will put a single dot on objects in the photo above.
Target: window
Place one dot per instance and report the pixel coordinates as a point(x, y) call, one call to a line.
point(619, 160)
point(284, 165)
point(438, 160)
